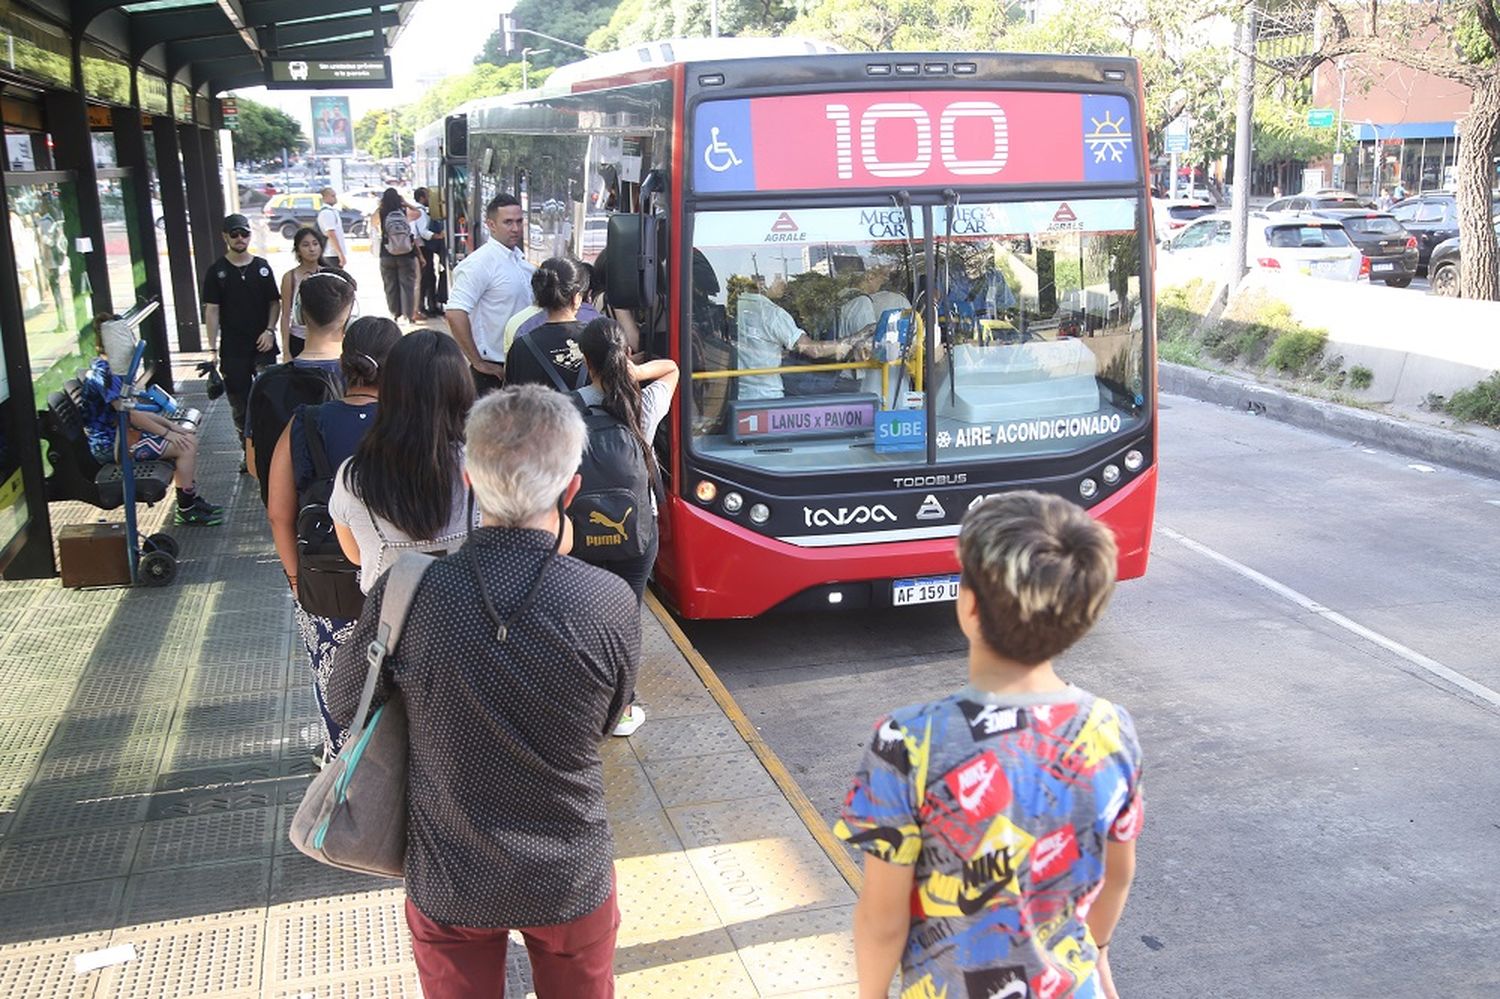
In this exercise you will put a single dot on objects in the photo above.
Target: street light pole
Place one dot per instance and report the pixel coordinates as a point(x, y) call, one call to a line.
point(1338, 132)
point(1244, 123)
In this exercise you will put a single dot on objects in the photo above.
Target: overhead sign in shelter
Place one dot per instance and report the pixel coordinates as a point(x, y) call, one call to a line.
point(327, 74)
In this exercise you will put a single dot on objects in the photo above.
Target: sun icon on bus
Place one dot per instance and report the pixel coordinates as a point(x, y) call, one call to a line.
point(1108, 138)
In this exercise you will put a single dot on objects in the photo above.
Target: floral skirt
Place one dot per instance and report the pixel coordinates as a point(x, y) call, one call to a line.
point(321, 637)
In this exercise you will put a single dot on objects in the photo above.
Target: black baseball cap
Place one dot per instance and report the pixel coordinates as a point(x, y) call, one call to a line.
point(236, 221)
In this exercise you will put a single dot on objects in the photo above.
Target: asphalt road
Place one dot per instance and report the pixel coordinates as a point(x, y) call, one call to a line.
point(1323, 809)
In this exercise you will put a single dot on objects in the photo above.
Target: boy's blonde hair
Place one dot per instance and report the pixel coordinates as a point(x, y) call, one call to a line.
point(1041, 570)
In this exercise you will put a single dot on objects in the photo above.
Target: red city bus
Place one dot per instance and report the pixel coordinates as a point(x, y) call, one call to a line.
point(897, 283)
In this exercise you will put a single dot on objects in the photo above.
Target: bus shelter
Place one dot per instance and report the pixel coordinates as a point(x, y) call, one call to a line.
point(110, 185)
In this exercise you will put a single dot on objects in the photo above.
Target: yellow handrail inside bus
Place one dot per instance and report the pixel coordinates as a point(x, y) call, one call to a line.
point(884, 367)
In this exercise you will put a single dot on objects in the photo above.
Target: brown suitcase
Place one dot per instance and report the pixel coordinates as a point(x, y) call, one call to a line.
point(93, 555)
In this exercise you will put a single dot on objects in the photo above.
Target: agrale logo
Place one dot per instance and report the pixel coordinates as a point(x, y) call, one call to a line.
point(846, 515)
point(931, 509)
point(785, 230)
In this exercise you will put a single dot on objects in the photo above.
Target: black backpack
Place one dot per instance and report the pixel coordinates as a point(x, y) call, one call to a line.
point(612, 514)
point(273, 398)
point(327, 582)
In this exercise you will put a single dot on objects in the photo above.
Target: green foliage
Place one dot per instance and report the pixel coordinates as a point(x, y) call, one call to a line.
point(607, 38)
point(1282, 132)
point(264, 132)
point(1480, 404)
point(484, 80)
point(1297, 351)
point(1469, 37)
point(573, 20)
point(1179, 310)
point(909, 25)
point(1361, 377)
point(377, 132)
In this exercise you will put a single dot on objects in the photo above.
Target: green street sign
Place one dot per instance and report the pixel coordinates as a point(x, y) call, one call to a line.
point(1320, 118)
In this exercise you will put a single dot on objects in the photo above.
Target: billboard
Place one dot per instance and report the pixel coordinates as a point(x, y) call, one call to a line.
point(332, 127)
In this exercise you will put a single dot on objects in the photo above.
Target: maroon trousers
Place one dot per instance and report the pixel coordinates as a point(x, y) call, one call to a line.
point(573, 960)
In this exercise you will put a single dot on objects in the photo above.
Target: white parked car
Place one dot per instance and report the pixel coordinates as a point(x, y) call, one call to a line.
point(1170, 215)
point(1277, 242)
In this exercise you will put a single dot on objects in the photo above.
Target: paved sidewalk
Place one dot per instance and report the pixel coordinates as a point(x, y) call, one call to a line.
point(153, 746)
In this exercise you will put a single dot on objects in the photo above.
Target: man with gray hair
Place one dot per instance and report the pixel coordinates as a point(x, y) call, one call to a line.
point(515, 663)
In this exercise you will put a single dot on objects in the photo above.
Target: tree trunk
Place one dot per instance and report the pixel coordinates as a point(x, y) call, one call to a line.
point(1478, 274)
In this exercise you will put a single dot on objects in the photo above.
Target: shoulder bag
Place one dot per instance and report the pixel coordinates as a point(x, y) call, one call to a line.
point(354, 813)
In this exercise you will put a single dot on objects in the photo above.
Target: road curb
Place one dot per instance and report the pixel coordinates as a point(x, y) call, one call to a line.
point(1444, 447)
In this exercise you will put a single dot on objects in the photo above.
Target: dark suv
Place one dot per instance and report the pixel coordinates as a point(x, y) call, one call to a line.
point(1442, 269)
point(1431, 218)
point(290, 212)
point(1391, 250)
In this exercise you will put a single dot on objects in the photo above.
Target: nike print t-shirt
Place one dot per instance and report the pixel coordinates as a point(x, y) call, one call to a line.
point(1002, 804)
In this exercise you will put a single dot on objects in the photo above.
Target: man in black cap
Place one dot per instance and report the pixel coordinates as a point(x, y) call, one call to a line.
point(242, 304)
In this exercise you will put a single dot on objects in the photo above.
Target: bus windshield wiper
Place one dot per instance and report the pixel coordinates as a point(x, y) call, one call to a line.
point(902, 200)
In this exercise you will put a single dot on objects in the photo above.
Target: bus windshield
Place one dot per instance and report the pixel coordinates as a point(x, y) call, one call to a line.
point(808, 330)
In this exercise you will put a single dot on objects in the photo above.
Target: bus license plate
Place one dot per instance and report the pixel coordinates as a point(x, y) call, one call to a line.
point(924, 590)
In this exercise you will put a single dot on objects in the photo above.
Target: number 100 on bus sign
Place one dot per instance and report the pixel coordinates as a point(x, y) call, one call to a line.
point(913, 138)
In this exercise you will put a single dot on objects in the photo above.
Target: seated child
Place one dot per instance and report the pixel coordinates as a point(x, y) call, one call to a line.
point(152, 436)
point(999, 822)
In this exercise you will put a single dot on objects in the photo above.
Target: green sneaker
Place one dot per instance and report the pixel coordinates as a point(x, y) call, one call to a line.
point(199, 514)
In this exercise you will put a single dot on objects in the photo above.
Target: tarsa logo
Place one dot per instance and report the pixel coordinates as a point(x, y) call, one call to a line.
point(846, 515)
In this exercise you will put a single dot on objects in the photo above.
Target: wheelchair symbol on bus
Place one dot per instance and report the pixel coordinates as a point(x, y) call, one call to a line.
point(719, 155)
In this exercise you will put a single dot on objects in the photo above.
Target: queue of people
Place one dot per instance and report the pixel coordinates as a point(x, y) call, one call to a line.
point(522, 646)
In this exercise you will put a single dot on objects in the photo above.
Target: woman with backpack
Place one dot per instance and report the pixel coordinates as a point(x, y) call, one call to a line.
point(398, 256)
point(615, 388)
point(316, 441)
point(548, 355)
point(403, 488)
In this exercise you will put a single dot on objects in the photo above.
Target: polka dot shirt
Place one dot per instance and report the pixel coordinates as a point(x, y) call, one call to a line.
point(505, 798)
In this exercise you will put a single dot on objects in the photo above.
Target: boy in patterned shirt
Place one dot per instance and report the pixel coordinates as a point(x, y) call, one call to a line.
point(999, 823)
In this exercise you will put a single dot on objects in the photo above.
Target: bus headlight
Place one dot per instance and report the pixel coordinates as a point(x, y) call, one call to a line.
point(1134, 460)
point(706, 491)
point(733, 502)
point(760, 513)
point(1110, 475)
point(1088, 489)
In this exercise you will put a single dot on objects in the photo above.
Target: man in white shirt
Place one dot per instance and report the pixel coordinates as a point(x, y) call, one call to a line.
point(335, 249)
point(766, 330)
point(491, 284)
point(430, 248)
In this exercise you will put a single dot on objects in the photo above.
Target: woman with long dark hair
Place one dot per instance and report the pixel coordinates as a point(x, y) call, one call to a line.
point(548, 355)
point(403, 489)
point(615, 385)
point(307, 246)
point(338, 426)
point(398, 255)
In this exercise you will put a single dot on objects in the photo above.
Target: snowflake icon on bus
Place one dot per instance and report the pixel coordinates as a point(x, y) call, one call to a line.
point(1108, 138)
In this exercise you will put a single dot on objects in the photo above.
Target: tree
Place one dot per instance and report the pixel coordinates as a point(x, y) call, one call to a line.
point(484, 80)
point(377, 132)
point(909, 25)
point(264, 132)
point(1455, 41)
point(572, 20)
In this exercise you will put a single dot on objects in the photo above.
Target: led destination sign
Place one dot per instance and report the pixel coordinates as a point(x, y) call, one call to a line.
point(906, 138)
point(755, 420)
point(319, 74)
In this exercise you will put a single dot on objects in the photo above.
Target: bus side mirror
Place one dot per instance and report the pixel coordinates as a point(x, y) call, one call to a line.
point(630, 262)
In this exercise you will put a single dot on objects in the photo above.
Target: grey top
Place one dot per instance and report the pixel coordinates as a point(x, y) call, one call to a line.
point(506, 824)
point(380, 541)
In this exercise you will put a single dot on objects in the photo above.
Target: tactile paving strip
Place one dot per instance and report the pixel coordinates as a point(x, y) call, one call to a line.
point(238, 678)
point(44, 969)
point(48, 808)
point(660, 897)
point(231, 712)
point(24, 735)
point(224, 646)
point(38, 913)
point(691, 967)
point(710, 778)
point(798, 951)
point(61, 648)
point(102, 690)
point(242, 887)
point(37, 698)
point(18, 767)
point(203, 956)
point(204, 801)
point(206, 839)
point(395, 984)
point(99, 854)
point(297, 879)
point(687, 736)
point(132, 763)
point(331, 938)
point(223, 744)
point(117, 724)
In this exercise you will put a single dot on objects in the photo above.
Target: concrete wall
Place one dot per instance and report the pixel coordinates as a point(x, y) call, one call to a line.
point(1414, 343)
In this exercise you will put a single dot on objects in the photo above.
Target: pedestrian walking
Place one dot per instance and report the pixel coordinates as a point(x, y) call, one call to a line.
point(403, 488)
point(615, 388)
point(1006, 813)
point(491, 284)
point(323, 304)
point(398, 256)
point(514, 664)
point(316, 441)
point(241, 304)
point(307, 245)
point(331, 226)
point(549, 354)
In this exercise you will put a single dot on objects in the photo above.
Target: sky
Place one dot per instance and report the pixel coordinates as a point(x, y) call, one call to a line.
point(441, 38)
